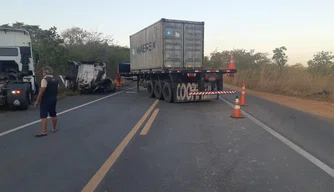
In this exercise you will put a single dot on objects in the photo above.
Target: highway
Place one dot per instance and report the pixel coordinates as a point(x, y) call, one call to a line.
point(129, 142)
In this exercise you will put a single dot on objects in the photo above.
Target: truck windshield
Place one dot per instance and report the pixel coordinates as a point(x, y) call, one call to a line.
point(9, 52)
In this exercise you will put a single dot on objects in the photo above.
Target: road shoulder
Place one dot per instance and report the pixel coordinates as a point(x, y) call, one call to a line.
point(322, 109)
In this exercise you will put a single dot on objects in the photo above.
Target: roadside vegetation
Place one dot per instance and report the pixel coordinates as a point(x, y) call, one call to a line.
point(258, 70)
point(272, 74)
point(56, 49)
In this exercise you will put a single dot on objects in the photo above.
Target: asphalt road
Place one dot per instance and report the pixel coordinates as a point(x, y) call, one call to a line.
point(107, 146)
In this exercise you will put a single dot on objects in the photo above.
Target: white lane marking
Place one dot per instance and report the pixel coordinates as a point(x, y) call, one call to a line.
point(290, 144)
point(60, 113)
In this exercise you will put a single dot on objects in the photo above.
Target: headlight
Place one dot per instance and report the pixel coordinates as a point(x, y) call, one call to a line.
point(16, 92)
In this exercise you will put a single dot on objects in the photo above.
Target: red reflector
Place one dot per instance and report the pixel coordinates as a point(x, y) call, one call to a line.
point(191, 74)
point(208, 78)
point(230, 74)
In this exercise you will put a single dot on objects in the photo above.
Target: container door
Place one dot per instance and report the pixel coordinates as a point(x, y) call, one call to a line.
point(193, 45)
point(173, 44)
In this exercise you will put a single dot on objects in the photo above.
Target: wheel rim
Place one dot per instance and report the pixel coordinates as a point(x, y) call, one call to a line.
point(149, 88)
point(166, 92)
point(157, 89)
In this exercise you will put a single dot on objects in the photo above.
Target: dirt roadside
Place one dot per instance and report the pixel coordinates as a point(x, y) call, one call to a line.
point(322, 109)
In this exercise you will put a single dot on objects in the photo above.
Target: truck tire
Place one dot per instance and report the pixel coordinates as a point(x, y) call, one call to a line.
point(25, 104)
point(167, 92)
point(158, 90)
point(150, 89)
point(30, 97)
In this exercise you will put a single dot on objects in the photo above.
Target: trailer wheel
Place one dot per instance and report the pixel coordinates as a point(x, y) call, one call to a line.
point(150, 89)
point(168, 92)
point(158, 90)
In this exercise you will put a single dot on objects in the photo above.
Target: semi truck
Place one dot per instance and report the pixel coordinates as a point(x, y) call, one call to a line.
point(88, 77)
point(17, 72)
point(167, 58)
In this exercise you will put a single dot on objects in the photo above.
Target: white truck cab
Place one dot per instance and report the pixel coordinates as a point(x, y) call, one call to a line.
point(16, 54)
point(17, 70)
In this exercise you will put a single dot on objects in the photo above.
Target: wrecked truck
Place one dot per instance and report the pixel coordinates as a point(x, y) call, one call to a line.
point(88, 77)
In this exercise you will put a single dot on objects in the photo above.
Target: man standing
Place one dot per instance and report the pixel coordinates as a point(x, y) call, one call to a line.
point(48, 95)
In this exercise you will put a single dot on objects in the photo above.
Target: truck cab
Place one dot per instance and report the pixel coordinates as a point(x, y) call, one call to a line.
point(17, 70)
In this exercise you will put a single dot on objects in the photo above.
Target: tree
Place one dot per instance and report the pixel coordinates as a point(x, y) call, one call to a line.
point(206, 61)
point(280, 57)
point(46, 43)
point(242, 58)
point(75, 43)
point(261, 58)
point(298, 66)
point(322, 63)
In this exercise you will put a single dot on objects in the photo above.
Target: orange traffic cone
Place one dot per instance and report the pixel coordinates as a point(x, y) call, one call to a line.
point(237, 111)
point(118, 80)
point(231, 66)
point(243, 95)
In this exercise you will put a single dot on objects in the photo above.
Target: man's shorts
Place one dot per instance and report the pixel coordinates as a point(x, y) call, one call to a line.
point(48, 107)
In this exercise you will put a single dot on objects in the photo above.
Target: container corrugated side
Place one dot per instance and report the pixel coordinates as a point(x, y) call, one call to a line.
point(146, 48)
point(173, 44)
point(183, 44)
point(193, 45)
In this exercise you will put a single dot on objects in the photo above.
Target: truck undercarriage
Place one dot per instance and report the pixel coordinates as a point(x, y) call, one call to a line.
point(182, 85)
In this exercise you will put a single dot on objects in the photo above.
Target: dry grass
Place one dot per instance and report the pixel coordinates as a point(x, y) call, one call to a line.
point(296, 82)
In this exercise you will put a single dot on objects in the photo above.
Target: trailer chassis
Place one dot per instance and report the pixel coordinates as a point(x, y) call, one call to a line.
point(182, 85)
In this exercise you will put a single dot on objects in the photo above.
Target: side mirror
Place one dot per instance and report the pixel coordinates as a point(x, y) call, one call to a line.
point(36, 58)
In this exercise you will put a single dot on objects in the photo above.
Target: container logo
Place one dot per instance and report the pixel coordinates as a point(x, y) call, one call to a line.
point(168, 32)
point(133, 52)
point(144, 48)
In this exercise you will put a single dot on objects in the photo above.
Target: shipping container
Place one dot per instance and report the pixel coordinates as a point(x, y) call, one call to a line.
point(168, 44)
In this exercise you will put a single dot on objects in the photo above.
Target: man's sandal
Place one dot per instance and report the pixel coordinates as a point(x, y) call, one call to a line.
point(41, 134)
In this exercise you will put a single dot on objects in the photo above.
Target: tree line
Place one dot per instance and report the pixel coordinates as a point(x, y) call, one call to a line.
point(55, 49)
point(321, 64)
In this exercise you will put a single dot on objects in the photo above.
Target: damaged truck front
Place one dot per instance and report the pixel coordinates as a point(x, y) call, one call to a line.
point(88, 77)
point(17, 76)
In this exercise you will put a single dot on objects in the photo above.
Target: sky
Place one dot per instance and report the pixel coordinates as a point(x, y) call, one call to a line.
point(304, 27)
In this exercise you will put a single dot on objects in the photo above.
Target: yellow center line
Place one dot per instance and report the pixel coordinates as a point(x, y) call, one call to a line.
point(149, 122)
point(100, 174)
